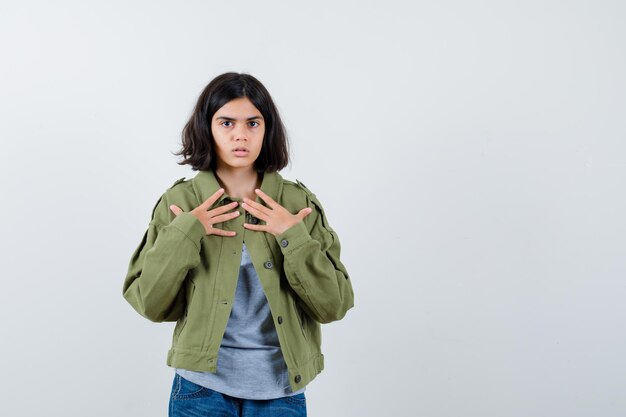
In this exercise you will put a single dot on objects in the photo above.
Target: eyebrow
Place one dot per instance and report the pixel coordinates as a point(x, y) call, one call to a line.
point(232, 118)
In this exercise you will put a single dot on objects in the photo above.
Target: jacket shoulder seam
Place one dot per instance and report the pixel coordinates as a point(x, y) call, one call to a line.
point(178, 181)
point(298, 185)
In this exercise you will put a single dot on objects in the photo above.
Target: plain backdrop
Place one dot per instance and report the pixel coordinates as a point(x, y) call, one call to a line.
point(470, 155)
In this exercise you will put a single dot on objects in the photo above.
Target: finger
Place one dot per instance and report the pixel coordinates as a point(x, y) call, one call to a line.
point(270, 202)
point(209, 201)
point(304, 212)
point(220, 232)
point(257, 227)
point(224, 217)
point(256, 213)
point(258, 206)
point(175, 209)
point(222, 209)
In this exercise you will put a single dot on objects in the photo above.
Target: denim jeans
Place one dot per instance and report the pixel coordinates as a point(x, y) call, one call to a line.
point(190, 399)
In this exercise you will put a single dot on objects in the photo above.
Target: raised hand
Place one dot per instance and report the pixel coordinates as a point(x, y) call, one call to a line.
point(277, 218)
point(211, 217)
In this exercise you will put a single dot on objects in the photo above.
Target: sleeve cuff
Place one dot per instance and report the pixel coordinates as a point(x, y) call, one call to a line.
point(292, 238)
point(190, 226)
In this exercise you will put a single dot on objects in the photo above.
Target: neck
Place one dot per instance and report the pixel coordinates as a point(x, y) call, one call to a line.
point(238, 182)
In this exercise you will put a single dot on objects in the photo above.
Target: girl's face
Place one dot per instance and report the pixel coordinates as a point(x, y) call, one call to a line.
point(238, 129)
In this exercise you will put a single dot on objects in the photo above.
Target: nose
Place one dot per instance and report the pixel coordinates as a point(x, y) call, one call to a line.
point(240, 133)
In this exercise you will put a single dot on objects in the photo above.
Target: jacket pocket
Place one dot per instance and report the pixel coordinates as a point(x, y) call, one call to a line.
point(190, 287)
point(299, 316)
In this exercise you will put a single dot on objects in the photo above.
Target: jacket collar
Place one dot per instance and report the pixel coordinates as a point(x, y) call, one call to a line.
point(205, 184)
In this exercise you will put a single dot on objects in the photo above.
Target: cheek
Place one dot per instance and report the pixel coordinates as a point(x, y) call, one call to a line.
point(219, 147)
point(260, 145)
point(261, 139)
point(218, 141)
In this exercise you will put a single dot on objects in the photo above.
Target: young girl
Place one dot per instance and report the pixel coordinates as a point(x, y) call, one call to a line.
point(243, 260)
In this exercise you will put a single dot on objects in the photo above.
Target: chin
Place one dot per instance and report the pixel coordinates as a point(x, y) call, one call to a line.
point(240, 165)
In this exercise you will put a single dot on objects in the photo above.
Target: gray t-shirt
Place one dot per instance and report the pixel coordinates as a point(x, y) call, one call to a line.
point(250, 363)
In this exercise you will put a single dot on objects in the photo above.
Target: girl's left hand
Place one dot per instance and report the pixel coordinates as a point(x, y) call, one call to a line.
point(277, 218)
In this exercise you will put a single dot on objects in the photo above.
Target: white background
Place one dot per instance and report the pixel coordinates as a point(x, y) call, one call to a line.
point(470, 155)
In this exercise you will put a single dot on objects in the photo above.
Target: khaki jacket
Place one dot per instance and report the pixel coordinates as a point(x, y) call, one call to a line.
point(178, 273)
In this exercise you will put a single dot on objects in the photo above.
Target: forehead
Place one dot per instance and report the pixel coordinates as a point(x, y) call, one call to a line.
point(240, 107)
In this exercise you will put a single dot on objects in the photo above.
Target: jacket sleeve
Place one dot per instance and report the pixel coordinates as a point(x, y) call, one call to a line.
point(313, 268)
point(159, 265)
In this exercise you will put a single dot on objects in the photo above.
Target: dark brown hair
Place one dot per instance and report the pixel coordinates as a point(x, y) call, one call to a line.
point(198, 147)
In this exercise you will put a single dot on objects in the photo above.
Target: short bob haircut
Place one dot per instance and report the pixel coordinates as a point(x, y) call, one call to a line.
point(198, 148)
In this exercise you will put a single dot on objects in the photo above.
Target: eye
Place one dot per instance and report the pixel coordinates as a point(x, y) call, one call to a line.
point(226, 121)
point(257, 123)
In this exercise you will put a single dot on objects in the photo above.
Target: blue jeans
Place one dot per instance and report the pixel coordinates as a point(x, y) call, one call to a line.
point(190, 399)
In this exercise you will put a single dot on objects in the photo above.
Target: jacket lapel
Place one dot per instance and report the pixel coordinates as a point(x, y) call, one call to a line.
point(261, 245)
point(205, 184)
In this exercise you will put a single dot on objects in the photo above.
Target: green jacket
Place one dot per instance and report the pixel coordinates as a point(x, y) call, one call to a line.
point(178, 273)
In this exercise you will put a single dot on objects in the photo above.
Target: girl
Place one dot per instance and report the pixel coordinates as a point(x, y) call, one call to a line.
point(243, 260)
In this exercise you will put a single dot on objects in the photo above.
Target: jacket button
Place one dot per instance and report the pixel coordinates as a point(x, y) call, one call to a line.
point(268, 265)
point(298, 378)
point(280, 319)
point(284, 243)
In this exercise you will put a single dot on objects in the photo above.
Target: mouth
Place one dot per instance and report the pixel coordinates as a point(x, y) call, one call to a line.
point(240, 151)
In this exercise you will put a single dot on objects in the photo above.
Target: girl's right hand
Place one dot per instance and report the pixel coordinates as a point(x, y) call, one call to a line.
point(211, 217)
